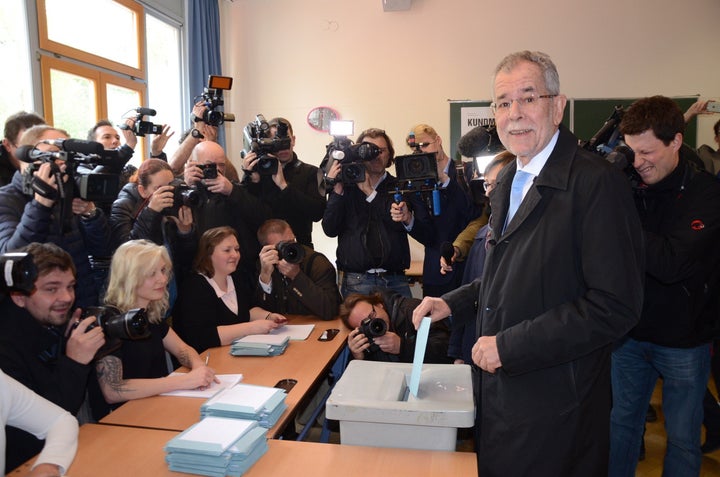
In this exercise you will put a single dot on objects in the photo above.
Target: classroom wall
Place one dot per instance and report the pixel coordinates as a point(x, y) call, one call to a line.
point(395, 69)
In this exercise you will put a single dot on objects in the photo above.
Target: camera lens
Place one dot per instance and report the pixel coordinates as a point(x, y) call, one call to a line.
point(367, 151)
point(291, 252)
point(353, 173)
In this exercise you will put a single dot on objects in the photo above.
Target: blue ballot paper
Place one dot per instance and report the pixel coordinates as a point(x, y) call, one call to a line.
point(420, 345)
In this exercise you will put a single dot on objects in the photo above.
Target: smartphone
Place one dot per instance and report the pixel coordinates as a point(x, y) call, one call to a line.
point(286, 384)
point(328, 334)
point(713, 106)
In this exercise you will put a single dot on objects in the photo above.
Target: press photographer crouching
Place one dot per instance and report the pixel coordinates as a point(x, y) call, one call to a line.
point(43, 343)
point(382, 329)
point(34, 209)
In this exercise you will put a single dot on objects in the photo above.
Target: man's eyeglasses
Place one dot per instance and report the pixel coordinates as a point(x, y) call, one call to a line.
point(527, 102)
point(488, 186)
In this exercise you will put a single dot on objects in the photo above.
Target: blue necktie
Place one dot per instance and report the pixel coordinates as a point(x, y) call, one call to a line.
point(516, 193)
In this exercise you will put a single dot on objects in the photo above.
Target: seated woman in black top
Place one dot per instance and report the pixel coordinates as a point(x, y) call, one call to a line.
point(139, 275)
point(214, 304)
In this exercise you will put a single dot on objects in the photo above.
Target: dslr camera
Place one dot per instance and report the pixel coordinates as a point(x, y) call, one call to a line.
point(117, 326)
point(210, 171)
point(351, 156)
point(18, 272)
point(212, 95)
point(372, 328)
point(132, 325)
point(183, 194)
point(291, 252)
point(258, 140)
point(141, 127)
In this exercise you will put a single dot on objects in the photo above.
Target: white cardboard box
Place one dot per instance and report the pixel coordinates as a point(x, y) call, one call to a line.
point(370, 401)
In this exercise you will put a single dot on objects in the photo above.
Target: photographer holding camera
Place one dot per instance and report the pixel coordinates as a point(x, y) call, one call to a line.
point(32, 210)
point(382, 329)
point(200, 131)
point(373, 249)
point(292, 190)
point(15, 126)
point(223, 202)
point(293, 277)
point(39, 349)
point(679, 208)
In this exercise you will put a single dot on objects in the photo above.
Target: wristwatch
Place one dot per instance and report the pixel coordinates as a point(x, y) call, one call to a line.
point(92, 214)
point(197, 134)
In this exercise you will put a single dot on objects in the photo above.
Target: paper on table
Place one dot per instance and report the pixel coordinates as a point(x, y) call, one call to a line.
point(226, 381)
point(294, 332)
point(420, 345)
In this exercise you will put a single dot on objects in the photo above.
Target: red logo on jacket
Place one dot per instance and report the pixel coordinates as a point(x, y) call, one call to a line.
point(697, 224)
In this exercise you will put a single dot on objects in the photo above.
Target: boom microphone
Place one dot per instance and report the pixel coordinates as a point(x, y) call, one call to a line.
point(474, 142)
point(146, 111)
point(31, 154)
point(79, 146)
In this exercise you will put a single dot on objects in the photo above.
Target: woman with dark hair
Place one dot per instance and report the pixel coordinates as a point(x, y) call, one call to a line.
point(214, 306)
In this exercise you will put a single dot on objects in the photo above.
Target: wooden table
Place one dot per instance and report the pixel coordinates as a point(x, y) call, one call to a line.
point(110, 451)
point(306, 361)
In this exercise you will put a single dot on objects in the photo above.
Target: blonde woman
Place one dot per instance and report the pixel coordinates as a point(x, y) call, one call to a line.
point(139, 275)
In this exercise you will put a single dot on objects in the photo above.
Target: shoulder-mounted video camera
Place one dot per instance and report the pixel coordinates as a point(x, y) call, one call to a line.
point(141, 127)
point(213, 97)
point(608, 143)
point(94, 170)
point(258, 139)
point(351, 156)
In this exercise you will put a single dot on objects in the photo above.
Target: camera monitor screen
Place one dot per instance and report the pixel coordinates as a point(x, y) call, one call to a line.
point(220, 82)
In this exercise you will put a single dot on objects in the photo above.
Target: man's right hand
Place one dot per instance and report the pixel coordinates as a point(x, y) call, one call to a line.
point(435, 308)
point(162, 198)
point(83, 344)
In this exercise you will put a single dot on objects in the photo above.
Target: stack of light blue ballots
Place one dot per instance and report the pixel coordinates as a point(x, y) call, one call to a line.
point(217, 447)
point(259, 345)
point(246, 401)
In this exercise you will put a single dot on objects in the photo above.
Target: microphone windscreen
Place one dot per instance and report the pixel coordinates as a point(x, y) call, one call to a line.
point(82, 147)
point(474, 142)
point(146, 111)
point(447, 251)
point(25, 153)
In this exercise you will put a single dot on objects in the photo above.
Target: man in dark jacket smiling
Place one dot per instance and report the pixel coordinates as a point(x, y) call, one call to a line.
point(562, 282)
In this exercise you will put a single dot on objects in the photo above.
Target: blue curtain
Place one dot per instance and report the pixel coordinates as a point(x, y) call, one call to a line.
point(204, 47)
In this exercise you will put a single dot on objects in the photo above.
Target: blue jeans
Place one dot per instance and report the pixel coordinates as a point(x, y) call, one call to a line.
point(636, 366)
point(367, 283)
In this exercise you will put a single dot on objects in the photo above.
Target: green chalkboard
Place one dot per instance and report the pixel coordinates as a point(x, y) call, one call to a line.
point(583, 116)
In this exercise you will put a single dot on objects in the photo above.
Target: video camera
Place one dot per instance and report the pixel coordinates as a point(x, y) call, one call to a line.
point(212, 95)
point(258, 140)
point(608, 143)
point(17, 272)
point(351, 156)
point(372, 328)
point(141, 127)
point(95, 171)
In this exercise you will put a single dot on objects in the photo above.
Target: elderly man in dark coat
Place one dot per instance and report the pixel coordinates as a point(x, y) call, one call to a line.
point(563, 280)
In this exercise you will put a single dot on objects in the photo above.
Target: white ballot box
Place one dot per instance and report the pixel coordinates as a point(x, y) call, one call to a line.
point(372, 403)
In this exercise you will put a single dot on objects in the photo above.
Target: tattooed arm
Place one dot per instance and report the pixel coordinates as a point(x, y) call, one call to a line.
point(116, 389)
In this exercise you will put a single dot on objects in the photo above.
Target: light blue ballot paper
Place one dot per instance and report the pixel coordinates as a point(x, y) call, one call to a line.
point(420, 345)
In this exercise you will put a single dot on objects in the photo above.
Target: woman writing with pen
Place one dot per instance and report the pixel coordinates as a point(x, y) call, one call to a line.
point(139, 275)
point(214, 305)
